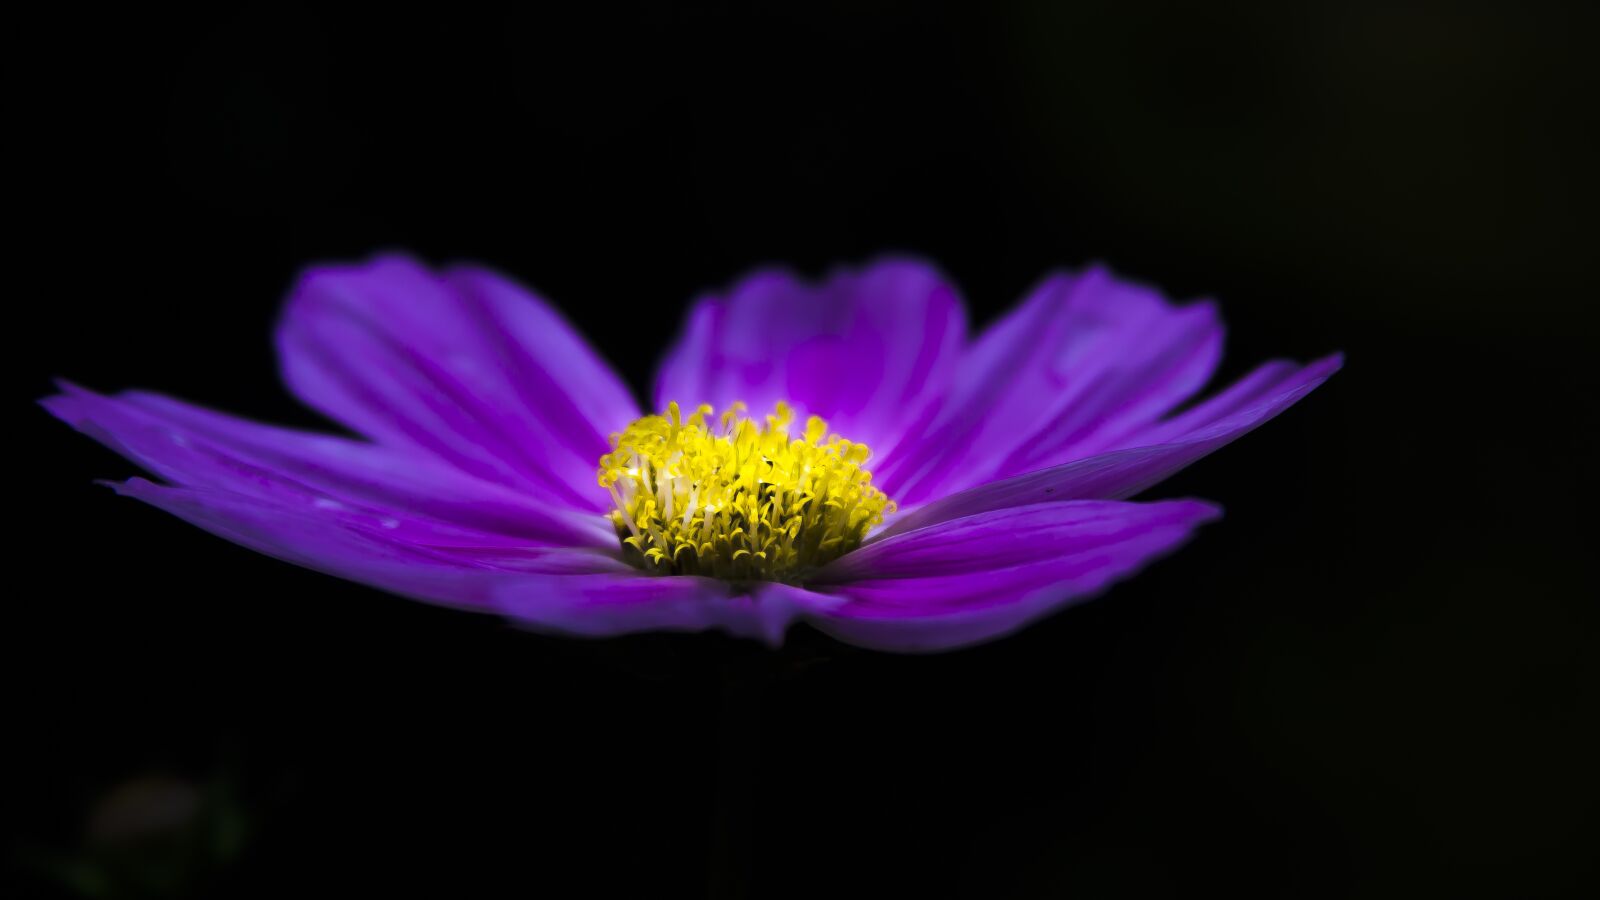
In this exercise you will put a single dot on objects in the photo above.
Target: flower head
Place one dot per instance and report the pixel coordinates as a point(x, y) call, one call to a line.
point(993, 492)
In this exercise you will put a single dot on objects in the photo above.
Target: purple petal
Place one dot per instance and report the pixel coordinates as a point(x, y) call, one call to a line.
point(1083, 362)
point(1266, 391)
point(423, 498)
point(453, 576)
point(868, 349)
point(973, 579)
point(1254, 399)
point(611, 604)
point(463, 365)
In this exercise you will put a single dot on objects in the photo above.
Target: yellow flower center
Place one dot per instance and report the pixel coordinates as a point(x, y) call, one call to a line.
point(741, 501)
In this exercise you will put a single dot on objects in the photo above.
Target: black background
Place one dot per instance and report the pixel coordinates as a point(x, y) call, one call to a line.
point(1374, 678)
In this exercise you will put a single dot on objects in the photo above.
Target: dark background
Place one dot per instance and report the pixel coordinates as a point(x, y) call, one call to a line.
point(1376, 677)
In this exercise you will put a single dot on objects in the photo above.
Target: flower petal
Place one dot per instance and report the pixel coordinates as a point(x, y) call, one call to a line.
point(612, 604)
point(976, 578)
point(329, 543)
point(1251, 401)
point(464, 365)
point(868, 349)
point(1084, 361)
point(426, 499)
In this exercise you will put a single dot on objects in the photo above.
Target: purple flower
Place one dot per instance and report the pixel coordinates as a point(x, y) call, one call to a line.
point(998, 464)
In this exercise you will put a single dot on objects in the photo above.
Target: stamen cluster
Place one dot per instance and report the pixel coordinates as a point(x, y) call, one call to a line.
point(742, 501)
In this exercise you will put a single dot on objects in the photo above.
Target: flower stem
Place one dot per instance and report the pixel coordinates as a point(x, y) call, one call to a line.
point(745, 679)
